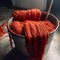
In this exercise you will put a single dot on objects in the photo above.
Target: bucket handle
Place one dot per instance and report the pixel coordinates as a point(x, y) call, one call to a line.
point(10, 37)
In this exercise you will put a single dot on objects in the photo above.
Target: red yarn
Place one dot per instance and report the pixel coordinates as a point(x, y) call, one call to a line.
point(21, 15)
point(36, 32)
point(17, 27)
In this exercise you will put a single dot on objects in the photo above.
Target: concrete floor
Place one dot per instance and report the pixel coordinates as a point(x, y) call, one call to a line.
point(7, 53)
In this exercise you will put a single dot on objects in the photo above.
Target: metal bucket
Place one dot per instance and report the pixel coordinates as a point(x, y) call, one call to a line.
point(19, 40)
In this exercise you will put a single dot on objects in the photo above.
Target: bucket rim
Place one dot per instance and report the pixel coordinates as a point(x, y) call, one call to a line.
point(55, 19)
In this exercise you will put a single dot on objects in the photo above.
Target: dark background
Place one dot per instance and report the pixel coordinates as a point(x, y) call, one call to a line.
point(55, 8)
point(5, 3)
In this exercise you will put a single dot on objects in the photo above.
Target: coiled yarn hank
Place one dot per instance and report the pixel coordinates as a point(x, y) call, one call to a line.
point(36, 32)
point(33, 14)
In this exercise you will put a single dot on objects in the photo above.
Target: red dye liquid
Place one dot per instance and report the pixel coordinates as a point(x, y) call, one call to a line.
point(36, 32)
point(2, 32)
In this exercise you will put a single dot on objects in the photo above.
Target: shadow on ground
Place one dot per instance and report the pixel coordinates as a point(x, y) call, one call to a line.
point(14, 54)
